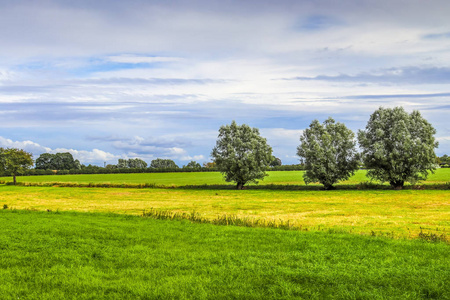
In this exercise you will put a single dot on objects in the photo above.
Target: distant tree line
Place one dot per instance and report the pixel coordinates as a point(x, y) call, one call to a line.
point(64, 163)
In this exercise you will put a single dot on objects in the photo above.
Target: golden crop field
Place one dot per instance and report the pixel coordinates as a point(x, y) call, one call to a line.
point(399, 213)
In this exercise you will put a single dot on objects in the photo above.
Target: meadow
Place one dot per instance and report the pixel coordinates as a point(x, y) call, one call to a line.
point(205, 178)
point(68, 255)
point(373, 211)
point(94, 243)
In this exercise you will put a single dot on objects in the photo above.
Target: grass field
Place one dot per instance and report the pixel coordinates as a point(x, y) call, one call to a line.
point(202, 178)
point(402, 213)
point(93, 243)
point(100, 256)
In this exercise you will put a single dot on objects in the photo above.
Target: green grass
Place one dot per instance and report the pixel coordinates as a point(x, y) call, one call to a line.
point(398, 213)
point(202, 178)
point(100, 256)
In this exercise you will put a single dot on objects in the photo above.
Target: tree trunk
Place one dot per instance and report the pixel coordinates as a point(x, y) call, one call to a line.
point(240, 186)
point(329, 187)
point(398, 185)
point(14, 179)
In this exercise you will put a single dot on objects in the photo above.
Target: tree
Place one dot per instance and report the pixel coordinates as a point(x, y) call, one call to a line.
point(15, 161)
point(132, 163)
point(64, 161)
point(329, 153)
point(275, 162)
point(136, 163)
point(192, 165)
point(443, 160)
point(77, 164)
point(58, 161)
point(209, 165)
point(122, 163)
point(398, 147)
point(160, 163)
point(44, 162)
point(241, 154)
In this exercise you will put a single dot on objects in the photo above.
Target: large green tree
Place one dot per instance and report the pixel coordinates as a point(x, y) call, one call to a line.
point(15, 161)
point(398, 147)
point(329, 152)
point(241, 154)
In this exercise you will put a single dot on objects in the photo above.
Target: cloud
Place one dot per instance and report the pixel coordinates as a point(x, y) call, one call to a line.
point(29, 146)
point(133, 59)
point(148, 149)
point(152, 147)
point(432, 36)
point(195, 157)
point(84, 156)
point(172, 72)
point(395, 96)
point(93, 156)
point(395, 76)
point(319, 22)
point(151, 81)
point(282, 133)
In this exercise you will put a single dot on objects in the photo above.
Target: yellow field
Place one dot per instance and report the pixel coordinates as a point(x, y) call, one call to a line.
point(402, 213)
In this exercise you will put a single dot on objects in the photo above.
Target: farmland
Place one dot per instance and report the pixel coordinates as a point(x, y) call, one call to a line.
point(203, 178)
point(381, 211)
point(103, 256)
point(93, 243)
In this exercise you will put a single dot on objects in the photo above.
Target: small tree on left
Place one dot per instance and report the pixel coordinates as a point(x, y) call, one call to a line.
point(15, 161)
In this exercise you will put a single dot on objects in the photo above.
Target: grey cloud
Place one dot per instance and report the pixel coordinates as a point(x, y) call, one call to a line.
point(156, 142)
point(395, 96)
point(152, 81)
point(319, 22)
point(433, 36)
point(208, 28)
point(440, 108)
point(407, 75)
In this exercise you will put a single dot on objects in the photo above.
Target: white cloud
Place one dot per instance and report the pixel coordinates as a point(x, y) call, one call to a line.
point(28, 146)
point(84, 156)
point(281, 137)
point(132, 59)
point(195, 157)
point(93, 156)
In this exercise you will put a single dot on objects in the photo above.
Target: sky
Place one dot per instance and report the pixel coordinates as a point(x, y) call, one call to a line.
point(105, 80)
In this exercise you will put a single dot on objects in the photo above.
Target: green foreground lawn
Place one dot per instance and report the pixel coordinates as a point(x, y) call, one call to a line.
point(202, 178)
point(100, 256)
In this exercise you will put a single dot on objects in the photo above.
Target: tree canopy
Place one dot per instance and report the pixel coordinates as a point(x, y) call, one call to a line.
point(241, 154)
point(329, 153)
point(275, 162)
point(398, 147)
point(58, 161)
point(132, 163)
point(160, 163)
point(15, 161)
point(192, 165)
